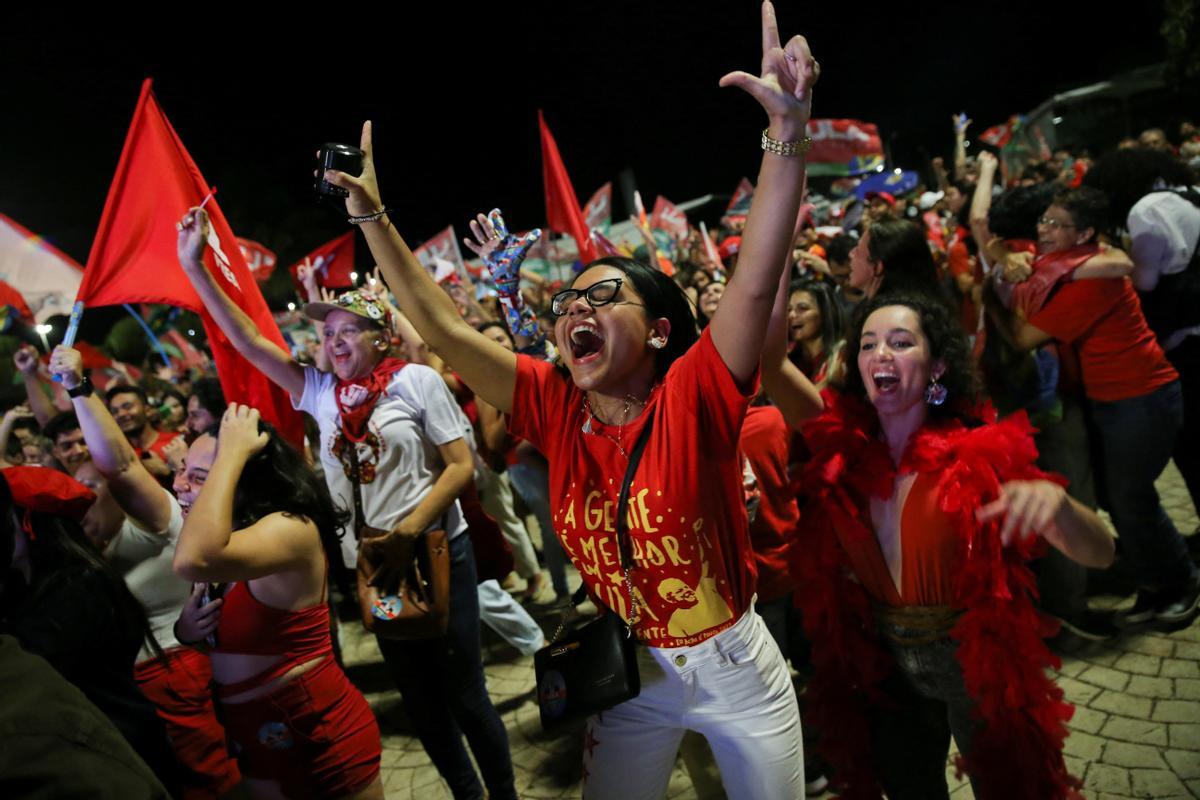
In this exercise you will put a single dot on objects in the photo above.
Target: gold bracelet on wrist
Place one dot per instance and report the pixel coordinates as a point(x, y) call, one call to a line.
point(781, 148)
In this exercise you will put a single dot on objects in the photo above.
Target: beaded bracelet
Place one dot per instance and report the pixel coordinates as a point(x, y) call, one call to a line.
point(782, 148)
point(378, 215)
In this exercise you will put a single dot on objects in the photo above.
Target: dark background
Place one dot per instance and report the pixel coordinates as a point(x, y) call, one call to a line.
point(454, 91)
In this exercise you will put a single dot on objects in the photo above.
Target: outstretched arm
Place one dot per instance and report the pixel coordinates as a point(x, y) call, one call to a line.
point(785, 92)
point(489, 369)
point(1044, 508)
point(133, 487)
point(981, 200)
point(268, 357)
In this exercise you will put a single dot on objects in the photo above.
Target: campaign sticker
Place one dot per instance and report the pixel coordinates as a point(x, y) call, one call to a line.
point(552, 694)
point(387, 608)
point(275, 736)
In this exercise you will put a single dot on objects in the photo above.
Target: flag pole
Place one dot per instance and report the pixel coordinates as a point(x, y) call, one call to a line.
point(154, 342)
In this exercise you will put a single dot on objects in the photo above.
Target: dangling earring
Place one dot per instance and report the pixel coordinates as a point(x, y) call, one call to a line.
point(935, 393)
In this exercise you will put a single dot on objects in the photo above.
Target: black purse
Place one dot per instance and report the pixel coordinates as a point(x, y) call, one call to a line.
point(592, 667)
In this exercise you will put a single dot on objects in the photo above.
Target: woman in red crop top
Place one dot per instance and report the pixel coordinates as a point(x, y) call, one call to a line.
point(911, 574)
point(630, 355)
point(259, 532)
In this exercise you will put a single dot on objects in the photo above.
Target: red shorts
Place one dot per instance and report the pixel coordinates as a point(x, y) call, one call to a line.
point(180, 687)
point(316, 736)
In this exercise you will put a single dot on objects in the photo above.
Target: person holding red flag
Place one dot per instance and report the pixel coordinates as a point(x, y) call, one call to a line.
point(635, 364)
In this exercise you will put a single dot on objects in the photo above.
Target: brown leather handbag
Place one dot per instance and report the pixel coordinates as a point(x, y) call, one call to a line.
point(407, 594)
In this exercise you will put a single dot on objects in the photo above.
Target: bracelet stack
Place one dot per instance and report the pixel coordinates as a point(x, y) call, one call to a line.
point(782, 148)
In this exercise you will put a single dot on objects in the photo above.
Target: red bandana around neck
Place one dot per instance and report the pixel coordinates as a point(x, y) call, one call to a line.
point(354, 418)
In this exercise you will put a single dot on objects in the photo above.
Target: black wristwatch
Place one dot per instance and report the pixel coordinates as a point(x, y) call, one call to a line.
point(84, 389)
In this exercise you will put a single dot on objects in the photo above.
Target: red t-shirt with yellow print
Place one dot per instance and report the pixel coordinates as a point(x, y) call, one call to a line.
point(694, 572)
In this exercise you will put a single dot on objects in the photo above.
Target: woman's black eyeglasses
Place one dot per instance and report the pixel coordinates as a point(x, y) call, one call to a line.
point(600, 293)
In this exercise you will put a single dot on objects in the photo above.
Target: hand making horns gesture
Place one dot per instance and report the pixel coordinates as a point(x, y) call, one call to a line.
point(788, 74)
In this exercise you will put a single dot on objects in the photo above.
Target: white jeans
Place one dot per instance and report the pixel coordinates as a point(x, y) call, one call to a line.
point(734, 689)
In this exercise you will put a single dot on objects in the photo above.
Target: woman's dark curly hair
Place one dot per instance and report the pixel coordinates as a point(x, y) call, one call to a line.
point(277, 479)
point(1015, 213)
point(663, 298)
point(946, 343)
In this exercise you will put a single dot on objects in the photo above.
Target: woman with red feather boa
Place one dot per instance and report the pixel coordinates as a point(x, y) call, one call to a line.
point(911, 564)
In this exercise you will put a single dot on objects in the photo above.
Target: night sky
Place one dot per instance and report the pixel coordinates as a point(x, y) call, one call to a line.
point(454, 94)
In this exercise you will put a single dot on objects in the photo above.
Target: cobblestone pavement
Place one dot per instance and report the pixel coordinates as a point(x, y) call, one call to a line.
point(1136, 730)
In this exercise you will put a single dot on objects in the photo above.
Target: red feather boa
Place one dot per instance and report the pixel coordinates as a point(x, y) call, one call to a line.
point(1018, 750)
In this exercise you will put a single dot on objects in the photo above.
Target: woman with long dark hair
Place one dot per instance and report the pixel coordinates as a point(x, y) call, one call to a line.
point(65, 603)
point(816, 330)
point(261, 525)
point(911, 570)
point(632, 364)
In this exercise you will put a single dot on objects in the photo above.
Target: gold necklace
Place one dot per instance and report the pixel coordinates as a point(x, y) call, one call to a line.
point(591, 415)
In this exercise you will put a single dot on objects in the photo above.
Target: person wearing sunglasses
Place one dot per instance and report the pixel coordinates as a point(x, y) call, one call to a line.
point(631, 357)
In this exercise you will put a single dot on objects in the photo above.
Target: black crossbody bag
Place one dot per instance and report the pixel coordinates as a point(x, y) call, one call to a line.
point(592, 667)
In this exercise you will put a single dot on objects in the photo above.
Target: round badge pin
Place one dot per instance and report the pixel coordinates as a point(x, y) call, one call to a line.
point(387, 608)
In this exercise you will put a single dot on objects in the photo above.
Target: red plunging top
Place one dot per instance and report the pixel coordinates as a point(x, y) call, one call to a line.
point(929, 550)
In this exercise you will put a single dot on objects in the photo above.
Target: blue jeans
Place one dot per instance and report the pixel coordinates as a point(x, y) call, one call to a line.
point(445, 695)
point(911, 736)
point(533, 486)
point(1136, 437)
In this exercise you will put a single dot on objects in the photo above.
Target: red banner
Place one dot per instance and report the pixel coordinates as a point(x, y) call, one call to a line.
point(333, 261)
point(744, 189)
point(841, 141)
point(259, 259)
point(598, 211)
point(133, 258)
point(667, 217)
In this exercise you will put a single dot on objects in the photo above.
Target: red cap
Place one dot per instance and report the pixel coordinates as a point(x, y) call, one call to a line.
point(48, 491)
point(730, 246)
point(884, 196)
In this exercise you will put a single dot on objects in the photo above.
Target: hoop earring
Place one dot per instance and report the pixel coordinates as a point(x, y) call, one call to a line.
point(935, 393)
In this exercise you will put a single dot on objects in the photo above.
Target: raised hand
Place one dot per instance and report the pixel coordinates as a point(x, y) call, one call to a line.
point(26, 360)
point(784, 89)
point(175, 451)
point(67, 364)
point(503, 254)
point(240, 436)
point(961, 123)
point(987, 162)
point(364, 190)
point(193, 235)
point(306, 273)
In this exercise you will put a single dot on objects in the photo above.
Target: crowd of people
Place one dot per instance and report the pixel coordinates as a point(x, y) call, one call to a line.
point(873, 433)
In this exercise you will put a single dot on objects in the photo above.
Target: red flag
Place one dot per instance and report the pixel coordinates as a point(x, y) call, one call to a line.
point(667, 217)
point(133, 258)
point(850, 145)
point(598, 211)
point(259, 259)
point(562, 207)
point(334, 261)
point(744, 189)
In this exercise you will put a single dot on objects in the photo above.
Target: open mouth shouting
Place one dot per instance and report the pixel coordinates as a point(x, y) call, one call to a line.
point(886, 380)
point(586, 342)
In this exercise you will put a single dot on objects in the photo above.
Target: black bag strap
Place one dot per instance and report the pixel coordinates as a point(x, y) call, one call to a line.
point(623, 543)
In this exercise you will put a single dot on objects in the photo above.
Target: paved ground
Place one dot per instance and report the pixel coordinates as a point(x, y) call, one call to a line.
point(1136, 730)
